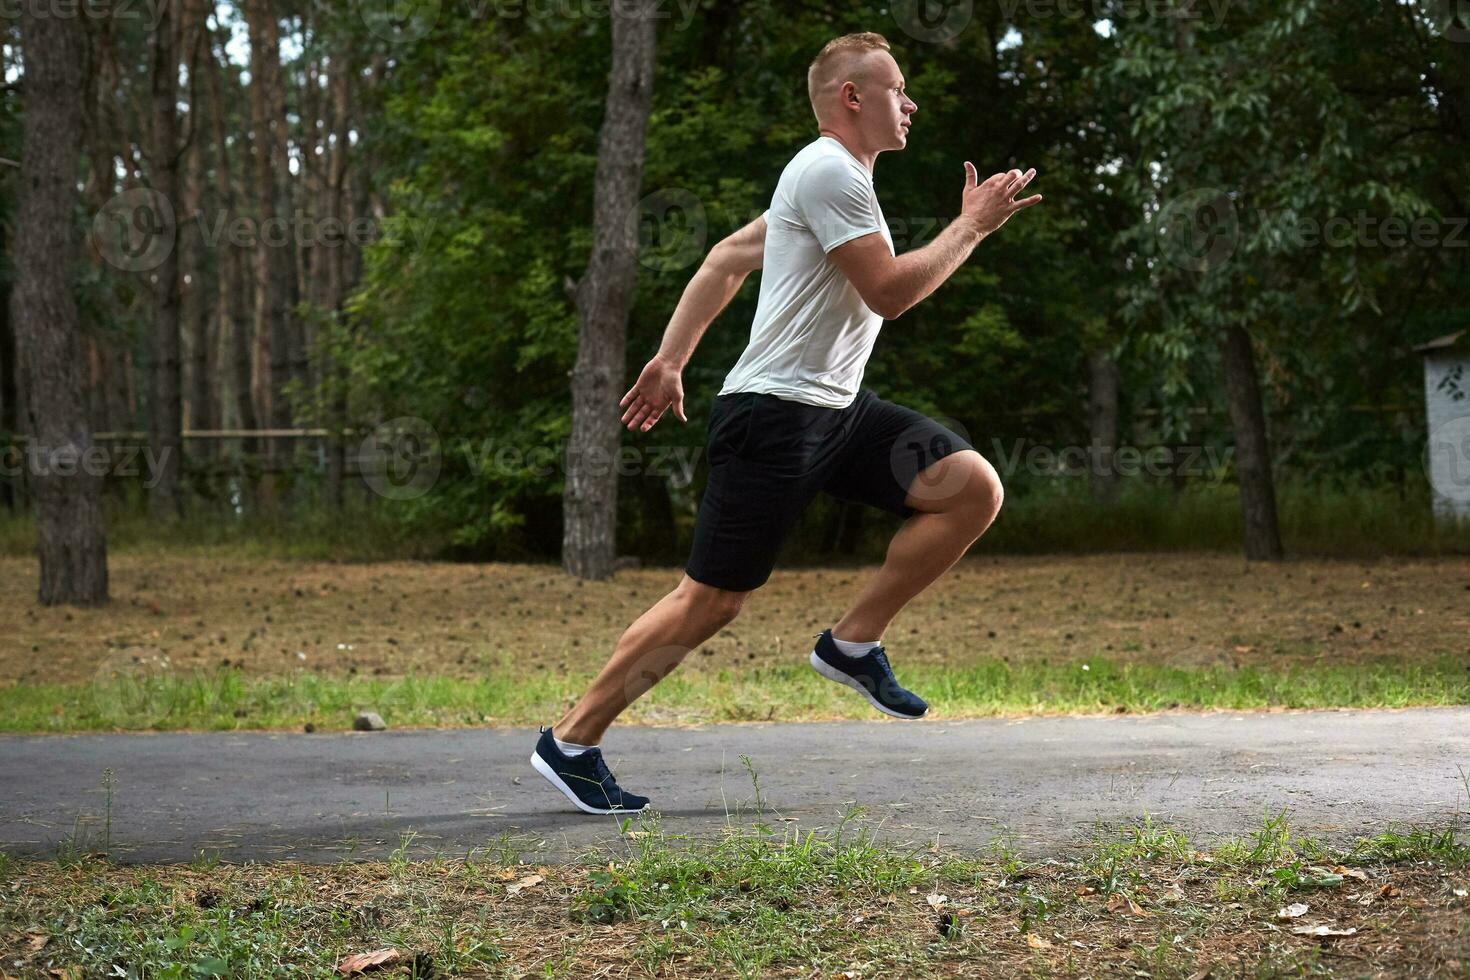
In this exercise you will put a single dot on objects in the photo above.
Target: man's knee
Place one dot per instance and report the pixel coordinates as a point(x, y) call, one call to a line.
point(717, 607)
point(981, 493)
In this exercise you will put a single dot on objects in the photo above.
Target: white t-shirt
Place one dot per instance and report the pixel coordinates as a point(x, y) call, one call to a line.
point(812, 333)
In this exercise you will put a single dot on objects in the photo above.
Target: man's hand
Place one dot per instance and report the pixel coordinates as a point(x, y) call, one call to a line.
point(989, 205)
point(659, 386)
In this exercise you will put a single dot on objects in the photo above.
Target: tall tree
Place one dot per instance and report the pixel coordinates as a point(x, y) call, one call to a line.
point(235, 298)
point(73, 545)
point(165, 407)
point(603, 299)
point(273, 259)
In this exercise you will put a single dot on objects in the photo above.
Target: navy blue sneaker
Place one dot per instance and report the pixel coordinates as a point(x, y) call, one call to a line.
point(869, 674)
point(584, 778)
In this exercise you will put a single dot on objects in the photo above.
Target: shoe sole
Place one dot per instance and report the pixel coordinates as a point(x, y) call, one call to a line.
point(833, 674)
point(540, 765)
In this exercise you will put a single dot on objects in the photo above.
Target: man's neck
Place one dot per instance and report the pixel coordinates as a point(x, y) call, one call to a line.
point(865, 157)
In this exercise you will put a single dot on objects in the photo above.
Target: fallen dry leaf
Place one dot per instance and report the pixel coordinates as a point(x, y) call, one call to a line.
point(937, 899)
point(1388, 891)
point(36, 939)
point(529, 881)
point(1118, 902)
point(1037, 942)
point(1324, 932)
point(1293, 911)
point(1347, 872)
point(363, 962)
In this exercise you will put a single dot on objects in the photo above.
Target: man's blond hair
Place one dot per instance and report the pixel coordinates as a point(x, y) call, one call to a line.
point(834, 55)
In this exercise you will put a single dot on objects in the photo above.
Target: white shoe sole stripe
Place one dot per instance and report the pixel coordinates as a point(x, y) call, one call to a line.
point(540, 765)
point(833, 674)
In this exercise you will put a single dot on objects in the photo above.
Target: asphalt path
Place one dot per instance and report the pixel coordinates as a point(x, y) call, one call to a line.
point(1044, 784)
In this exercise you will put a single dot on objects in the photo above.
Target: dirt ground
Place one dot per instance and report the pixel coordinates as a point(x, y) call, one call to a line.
point(271, 617)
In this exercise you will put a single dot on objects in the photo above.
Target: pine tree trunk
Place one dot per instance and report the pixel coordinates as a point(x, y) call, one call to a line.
point(273, 257)
point(195, 309)
point(603, 298)
point(235, 311)
point(1252, 452)
point(165, 409)
point(334, 205)
point(73, 545)
point(1102, 412)
point(9, 401)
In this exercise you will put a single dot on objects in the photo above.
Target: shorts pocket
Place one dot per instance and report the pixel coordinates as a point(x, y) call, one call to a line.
point(729, 427)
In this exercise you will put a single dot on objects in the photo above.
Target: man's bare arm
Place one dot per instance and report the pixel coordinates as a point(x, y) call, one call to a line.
point(891, 285)
point(719, 278)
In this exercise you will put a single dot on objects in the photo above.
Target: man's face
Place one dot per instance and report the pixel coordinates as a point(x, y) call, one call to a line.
point(886, 108)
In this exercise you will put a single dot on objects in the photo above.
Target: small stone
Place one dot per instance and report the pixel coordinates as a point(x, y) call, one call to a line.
point(368, 721)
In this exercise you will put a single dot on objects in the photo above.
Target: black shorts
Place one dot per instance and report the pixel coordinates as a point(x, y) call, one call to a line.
point(769, 457)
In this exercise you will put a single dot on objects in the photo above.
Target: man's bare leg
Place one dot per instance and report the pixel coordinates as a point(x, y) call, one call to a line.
point(957, 499)
point(646, 653)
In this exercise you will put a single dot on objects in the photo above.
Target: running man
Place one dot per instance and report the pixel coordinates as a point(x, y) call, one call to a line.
point(793, 418)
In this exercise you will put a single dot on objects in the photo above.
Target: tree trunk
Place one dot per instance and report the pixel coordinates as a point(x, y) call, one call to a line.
point(603, 299)
point(235, 312)
point(334, 206)
point(1102, 415)
point(9, 402)
point(1252, 452)
point(165, 410)
point(194, 307)
point(66, 480)
point(272, 251)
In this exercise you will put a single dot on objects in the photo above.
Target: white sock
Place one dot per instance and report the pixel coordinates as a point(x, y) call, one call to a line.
point(853, 648)
point(570, 749)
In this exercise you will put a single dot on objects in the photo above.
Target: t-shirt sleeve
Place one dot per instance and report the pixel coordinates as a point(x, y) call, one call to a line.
point(835, 202)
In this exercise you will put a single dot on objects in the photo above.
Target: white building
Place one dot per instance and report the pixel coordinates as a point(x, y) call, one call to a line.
point(1447, 410)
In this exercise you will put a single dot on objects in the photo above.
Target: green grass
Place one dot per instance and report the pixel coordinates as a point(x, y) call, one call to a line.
point(227, 699)
point(753, 901)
